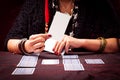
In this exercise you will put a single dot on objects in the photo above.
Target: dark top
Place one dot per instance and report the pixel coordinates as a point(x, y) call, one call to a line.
point(96, 18)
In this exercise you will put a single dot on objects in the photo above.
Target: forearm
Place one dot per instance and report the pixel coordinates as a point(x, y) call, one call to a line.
point(112, 45)
point(94, 45)
point(12, 45)
point(91, 44)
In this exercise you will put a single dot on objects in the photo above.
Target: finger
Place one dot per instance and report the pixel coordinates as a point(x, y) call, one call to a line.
point(33, 36)
point(67, 46)
point(39, 50)
point(37, 40)
point(46, 36)
point(56, 47)
point(61, 47)
point(38, 45)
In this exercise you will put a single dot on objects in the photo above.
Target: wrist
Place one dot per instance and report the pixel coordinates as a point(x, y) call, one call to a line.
point(12, 46)
point(82, 43)
point(21, 46)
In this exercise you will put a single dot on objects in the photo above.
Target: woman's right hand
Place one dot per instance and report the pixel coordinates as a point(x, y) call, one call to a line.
point(36, 43)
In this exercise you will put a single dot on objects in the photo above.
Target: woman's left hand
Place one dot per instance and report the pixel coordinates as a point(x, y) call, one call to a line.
point(67, 43)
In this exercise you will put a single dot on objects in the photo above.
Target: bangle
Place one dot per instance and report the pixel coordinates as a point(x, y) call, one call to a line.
point(22, 47)
point(103, 43)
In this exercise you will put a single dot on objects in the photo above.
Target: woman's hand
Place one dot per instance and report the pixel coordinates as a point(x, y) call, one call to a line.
point(35, 43)
point(67, 43)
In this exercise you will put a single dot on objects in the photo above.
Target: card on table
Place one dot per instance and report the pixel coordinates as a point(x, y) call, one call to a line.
point(28, 61)
point(72, 63)
point(23, 71)
point(94, 61)
point(70, 56)
point(50, 61)
point(73, 67)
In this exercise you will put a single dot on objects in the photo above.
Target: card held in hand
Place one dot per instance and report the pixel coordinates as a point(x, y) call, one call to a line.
point(57, 30)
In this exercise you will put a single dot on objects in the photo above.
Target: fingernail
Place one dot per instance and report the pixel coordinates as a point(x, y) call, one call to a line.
point(57, 53)
point(53, 49)
point(49, 35)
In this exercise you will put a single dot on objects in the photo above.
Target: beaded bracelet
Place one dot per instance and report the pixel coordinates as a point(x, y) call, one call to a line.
point(22, 47)
point(103, 43)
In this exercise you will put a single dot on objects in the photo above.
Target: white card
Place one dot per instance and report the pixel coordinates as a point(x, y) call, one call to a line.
point(71, 61)
point(73, 67)
point(50, 61)
point(57, 30)
point(70, 56)
point(59, 25)
point(94, 61)
point(23, 71)
point(28, 61)
point(49, 45)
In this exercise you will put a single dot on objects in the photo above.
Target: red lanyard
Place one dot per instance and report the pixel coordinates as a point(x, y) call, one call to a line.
point(46, 15)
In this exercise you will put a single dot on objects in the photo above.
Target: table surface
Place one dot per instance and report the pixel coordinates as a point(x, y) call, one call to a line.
point(108, 71)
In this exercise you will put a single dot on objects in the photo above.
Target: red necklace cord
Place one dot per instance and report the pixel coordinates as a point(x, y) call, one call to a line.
point(46, 16)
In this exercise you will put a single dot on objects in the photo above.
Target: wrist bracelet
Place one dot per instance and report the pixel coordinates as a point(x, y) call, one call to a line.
point(22, 47)
point(103, 43)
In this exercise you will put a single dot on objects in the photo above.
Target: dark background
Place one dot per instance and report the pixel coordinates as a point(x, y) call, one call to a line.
point(9, 9)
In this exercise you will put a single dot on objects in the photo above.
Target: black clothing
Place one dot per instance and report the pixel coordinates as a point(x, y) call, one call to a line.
point(96, 18)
